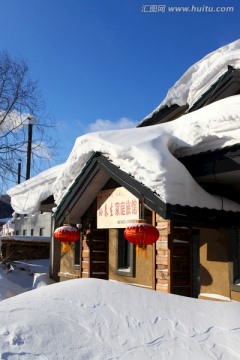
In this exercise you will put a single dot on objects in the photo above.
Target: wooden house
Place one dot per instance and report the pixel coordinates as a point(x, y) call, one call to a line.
point(198, 250)
point(197, 253)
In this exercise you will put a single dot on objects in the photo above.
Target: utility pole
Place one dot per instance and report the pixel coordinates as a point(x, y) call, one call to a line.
point(19, 170)
point(29, 147)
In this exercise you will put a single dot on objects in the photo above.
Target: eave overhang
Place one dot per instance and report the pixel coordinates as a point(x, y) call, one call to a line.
point(99, 170)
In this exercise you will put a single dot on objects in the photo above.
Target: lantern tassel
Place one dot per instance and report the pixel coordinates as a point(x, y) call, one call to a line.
point(66, 247)
point(141, 251)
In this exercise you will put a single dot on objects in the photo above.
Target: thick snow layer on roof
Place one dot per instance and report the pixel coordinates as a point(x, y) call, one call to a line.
point(97, 319)
point(200, 76)
point(45, 239)
point(27, 196)
point(150, 154)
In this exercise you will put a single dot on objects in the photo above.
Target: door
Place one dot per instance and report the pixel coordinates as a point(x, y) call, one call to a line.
point(99, 254)
point(181, 261)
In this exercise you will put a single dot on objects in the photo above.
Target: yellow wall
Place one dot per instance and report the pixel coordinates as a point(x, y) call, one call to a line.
point(144, 265)
point(235, 295)
point(67, 269)
point(214, 268)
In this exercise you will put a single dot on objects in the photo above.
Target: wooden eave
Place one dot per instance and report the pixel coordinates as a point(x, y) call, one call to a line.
point(99, 163)
point(217, 172)
point(185, 214)
point(47, 204)
point(166, 114)
point(227, 85)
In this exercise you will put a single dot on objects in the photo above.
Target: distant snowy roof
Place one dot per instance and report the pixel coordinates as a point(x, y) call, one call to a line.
point(27, 196)
point(201, 76)
point(37, 239)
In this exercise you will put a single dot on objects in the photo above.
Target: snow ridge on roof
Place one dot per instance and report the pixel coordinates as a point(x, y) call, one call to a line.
point(150, 154)
point(201, 76)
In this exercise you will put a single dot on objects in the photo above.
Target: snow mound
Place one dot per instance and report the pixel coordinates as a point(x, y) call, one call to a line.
point(201, 76)
point(97, 319)
point(21, 279)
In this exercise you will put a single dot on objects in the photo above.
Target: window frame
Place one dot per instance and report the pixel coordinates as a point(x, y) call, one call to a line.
point(41, 231)
point(77, 253)
point(120, 270)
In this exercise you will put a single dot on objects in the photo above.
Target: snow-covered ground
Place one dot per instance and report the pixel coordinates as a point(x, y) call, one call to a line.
point(96, 319)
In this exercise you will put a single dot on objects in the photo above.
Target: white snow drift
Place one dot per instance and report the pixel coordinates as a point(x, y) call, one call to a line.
point(97, 319)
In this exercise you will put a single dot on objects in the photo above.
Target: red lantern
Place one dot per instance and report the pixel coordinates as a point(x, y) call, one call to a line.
point(141, 234)
point(66, 233)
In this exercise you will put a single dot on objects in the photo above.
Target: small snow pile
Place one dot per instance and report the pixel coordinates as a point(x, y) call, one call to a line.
point(24, 201)
point(20, 277)
point(201, 76)
point(41, 279)
point(97, 319)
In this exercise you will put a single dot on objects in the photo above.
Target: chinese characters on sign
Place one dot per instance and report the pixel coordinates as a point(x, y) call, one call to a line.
point(116, 208)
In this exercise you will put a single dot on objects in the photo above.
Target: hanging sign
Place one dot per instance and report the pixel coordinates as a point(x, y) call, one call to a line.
point(116, 208)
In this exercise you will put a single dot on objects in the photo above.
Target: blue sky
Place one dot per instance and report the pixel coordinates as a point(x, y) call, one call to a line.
point(98, 61)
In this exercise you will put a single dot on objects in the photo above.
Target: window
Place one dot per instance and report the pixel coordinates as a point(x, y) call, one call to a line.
point(125, 255)
point(41, 231)
point(32, 232)
point(24, 232)
point(17, 232)
point(76, 249)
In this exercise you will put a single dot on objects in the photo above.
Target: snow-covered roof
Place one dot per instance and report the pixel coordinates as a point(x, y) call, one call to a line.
point(4, 220)
point(27, 196)
point(37, 239)
point(201, 76)
point(150, 155)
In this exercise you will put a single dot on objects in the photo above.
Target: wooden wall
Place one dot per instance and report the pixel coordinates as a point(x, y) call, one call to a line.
point(162, 267)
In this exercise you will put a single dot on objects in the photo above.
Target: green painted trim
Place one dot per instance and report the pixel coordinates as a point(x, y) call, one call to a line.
point(54, 215)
